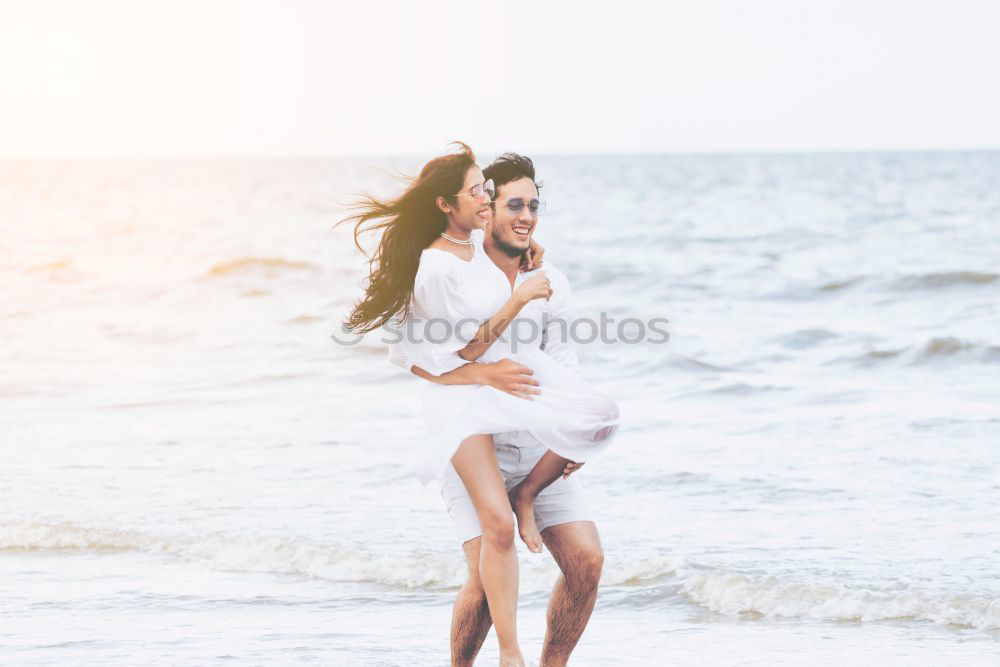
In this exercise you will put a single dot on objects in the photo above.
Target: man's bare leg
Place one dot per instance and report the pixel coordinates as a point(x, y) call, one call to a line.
point(577, 549)
point(470, 617)
point(476, 465)
point(548, 469)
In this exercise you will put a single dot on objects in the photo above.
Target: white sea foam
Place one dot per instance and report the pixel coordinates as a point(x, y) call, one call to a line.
point(275, 554)
point(735, 593)
point(718, 589)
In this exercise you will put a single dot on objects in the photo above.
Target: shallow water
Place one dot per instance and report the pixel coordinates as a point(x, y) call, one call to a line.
point(192, 472)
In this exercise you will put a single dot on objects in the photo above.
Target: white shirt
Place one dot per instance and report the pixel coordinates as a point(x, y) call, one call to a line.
point(546, 324)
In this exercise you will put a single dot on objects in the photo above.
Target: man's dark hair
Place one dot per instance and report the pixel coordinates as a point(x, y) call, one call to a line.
point(510, 167)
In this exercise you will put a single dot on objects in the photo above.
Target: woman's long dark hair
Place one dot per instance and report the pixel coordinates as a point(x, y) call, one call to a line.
point(409, 223)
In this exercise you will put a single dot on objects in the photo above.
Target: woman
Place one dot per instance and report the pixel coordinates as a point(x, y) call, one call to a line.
point(431, 267)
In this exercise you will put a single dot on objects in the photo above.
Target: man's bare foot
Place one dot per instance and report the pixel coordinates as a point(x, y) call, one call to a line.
point(524, 509)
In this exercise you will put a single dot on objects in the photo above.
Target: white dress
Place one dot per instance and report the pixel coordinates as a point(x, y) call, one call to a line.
point(451, 299)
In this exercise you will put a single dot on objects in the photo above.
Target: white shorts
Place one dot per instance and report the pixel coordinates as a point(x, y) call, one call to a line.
point(559, 502)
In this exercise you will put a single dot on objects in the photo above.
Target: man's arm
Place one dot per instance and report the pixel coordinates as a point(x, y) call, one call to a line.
point(506, 375)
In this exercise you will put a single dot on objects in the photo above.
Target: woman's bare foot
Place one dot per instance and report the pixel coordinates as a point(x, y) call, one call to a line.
point(512, 660)
point(523, 505)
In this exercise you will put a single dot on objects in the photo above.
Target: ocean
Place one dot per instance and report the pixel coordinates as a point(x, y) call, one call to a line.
point(193, 472)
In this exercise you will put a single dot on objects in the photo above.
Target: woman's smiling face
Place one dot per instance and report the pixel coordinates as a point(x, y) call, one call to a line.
point(471, 209)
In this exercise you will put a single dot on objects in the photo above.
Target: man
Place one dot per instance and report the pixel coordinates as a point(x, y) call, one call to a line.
point(560, 511)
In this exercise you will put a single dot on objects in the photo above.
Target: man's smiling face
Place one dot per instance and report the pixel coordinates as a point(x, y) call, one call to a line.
point(513, 221)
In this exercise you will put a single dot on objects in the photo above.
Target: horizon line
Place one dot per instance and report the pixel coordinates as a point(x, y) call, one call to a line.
point(414, 154)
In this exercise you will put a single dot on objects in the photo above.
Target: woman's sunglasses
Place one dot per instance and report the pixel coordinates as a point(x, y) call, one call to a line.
point(480, 191)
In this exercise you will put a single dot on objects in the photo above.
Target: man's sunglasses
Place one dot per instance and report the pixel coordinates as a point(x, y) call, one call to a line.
point(535, 206)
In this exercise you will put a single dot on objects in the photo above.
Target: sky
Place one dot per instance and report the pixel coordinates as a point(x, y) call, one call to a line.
point(108, 78)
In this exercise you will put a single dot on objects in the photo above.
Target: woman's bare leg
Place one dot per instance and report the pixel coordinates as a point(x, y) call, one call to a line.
point(522, 497)
point(476, 465)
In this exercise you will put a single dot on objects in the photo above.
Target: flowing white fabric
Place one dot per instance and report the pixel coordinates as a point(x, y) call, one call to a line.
point(451, 299)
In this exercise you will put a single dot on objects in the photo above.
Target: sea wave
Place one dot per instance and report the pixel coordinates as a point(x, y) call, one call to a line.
point(734, 593)
point(62, 271)
point(933, 350)
point(915, 282)
point(268, 265)
point(304, 319)
point(841, 284)
point(719, 589)
point(801, 339)
point(418, 568)
point(944, 279)
point(738, 389)
point(682, 363)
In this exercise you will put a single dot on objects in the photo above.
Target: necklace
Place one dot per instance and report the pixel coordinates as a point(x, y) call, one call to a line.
point(454, 240)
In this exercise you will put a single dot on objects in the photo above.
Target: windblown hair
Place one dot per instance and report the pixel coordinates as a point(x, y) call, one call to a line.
point(409, 224)
point(510, 167)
